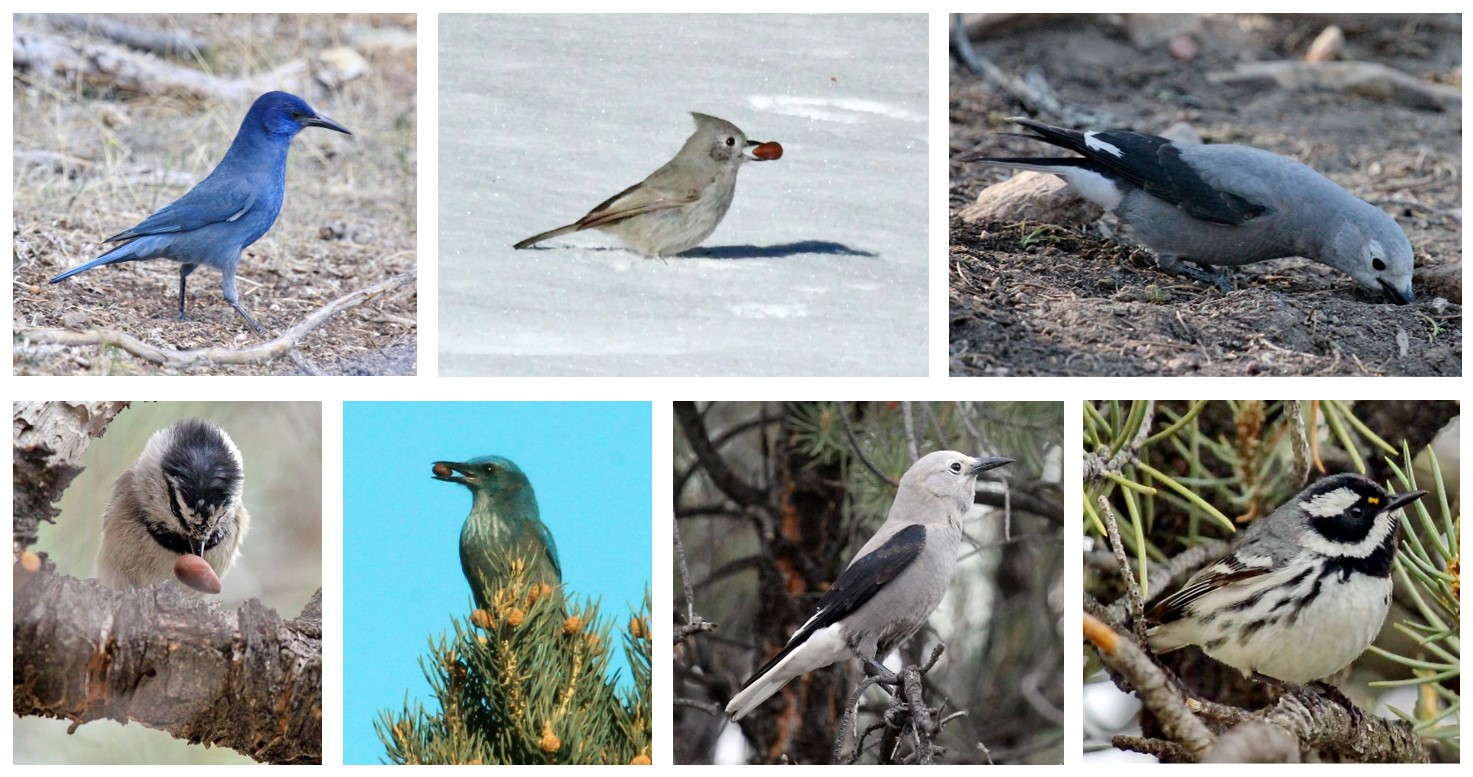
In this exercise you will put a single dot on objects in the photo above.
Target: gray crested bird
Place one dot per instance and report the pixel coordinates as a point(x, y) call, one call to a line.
point(1225, 205)
point(179, 502)
point(503, 525)
point(679, 205)
point(892, 585)
point(1303, 591)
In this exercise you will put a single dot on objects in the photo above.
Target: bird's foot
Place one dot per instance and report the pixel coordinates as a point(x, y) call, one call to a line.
point(1338, 696)
point(1217, 277)
point(1320, 688)
point(243, 314)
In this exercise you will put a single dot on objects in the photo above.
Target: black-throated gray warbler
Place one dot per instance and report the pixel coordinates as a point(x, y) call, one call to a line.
point(1304, 590)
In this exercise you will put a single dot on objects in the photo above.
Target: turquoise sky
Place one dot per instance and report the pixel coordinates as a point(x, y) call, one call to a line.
point(589, 463)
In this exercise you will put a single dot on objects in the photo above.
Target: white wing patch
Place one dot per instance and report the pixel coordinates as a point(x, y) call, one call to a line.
point(1330, 503)
point(1092, 140)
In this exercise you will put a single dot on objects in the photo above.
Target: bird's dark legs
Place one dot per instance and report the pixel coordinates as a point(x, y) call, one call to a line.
point(878, 670)
point(1174, 264)
point(247, 317)
point(1338, 696)
point(184, 271)
point(233, 299)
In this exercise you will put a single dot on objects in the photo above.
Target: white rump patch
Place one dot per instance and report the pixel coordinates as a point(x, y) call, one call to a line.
point(1092, 140)
point(1331, 503)
point(1092, 186)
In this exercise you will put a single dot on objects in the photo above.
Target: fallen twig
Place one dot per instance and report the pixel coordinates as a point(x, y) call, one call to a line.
point(283, 345)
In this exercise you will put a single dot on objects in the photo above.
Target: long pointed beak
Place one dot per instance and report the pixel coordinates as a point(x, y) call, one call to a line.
point(990, 462)
point(322, 121)
point(1402, 500)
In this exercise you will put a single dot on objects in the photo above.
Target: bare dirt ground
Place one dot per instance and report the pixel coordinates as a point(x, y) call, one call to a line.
point(1031, 299)
point(93, 159)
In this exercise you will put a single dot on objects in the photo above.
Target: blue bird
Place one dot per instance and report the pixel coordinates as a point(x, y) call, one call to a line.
point(504, 525)
point(231, 208)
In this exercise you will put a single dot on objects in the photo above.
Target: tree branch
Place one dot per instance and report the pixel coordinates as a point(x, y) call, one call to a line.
point(168, 660)
point(711, 462)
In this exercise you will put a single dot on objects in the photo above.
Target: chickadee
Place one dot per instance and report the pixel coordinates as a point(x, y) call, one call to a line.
point(1304, 590)
point(679, 205)
point(176, 512)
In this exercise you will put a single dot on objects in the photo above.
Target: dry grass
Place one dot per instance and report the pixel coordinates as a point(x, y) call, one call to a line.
point(91, 161)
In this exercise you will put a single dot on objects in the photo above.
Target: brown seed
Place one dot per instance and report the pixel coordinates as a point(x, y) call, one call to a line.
point(196, 573)
point(442, 470)
point(768, 151)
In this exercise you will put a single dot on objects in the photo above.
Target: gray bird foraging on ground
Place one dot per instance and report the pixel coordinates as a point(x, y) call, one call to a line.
point(230, 209)
point(176, 512)
point(679, 205)
point(1227, 205)
point(504, 526)
point(1302, 593)
point(892, 585)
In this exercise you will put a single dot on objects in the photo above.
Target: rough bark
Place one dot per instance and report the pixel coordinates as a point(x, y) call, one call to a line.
point(162, 658)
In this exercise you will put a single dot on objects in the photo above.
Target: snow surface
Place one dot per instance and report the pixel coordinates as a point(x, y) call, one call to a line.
point(819, 267)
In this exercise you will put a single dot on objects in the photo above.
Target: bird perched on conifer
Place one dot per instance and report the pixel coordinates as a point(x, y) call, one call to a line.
point(503, 526)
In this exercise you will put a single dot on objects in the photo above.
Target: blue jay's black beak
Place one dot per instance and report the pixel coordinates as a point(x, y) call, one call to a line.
point(322, 121)
point(451, 472)
point(1399, 501)
point(989, 462)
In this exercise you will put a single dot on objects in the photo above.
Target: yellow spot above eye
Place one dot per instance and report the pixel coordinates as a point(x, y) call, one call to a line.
point(1375, 500)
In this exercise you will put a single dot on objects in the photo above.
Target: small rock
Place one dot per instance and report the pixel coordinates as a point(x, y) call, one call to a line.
point(1328, 46)
point(1183, 48)
point(1031, 196)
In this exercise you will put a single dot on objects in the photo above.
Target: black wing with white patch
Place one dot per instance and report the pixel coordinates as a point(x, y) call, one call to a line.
point(1154, 164)
point(856, 586)
point(1229, 571)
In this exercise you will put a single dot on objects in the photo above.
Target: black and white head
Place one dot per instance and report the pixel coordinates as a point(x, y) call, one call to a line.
point(201, 477)
point(1350, 517)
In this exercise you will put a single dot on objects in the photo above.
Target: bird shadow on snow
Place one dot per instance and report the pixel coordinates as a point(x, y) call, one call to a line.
point(777, 251)
point(742, 252)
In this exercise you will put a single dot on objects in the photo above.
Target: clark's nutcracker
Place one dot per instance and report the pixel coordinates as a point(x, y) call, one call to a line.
point(892, 585)
point(1226, 205)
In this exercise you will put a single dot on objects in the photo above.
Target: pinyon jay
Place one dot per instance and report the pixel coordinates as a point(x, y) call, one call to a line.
point(893, 584)
point(1223, 204)
point(231, 208)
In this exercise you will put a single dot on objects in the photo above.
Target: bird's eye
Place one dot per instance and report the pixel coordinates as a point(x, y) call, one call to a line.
point(1378, 264)
point(730, 141)
point(956, 467)
point(298, 115)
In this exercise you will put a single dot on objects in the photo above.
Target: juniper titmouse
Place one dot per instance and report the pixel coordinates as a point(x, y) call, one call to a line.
point(175, 510)
point(680, 204)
